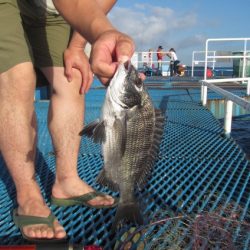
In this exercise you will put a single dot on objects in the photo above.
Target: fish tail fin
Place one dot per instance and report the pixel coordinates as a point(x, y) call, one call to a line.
point(127, 212)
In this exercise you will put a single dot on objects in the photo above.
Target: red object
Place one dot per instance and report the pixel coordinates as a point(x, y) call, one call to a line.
point(159, 54)
point(209, 73)
point(92, 247)
point(28, 247)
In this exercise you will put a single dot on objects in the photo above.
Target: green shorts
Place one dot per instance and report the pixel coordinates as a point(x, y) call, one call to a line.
point(30, 34)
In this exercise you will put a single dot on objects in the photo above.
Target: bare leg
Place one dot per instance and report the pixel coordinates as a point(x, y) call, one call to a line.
point(66, 117)
point(18, 145)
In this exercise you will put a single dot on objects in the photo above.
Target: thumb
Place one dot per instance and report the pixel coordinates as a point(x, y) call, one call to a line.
point(124, 50)
point(123, 58)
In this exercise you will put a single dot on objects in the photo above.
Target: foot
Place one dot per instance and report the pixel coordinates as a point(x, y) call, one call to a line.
point(36, 207)
point(72, 187)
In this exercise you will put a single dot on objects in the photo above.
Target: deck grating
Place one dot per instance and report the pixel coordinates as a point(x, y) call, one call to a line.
point(198, 169)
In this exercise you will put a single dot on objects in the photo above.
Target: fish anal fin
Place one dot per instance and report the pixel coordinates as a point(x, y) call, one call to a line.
point(103, 180)
point(99, 133)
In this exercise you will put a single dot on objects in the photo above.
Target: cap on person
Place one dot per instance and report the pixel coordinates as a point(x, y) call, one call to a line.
point(160, 47)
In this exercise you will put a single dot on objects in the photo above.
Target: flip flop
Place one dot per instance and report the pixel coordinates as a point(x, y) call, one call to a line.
point(82, 200)
point(26, 220)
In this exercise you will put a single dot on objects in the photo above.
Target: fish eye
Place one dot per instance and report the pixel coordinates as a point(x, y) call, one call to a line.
point(138, 82)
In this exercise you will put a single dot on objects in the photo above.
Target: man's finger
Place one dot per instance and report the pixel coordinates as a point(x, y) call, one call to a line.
point(104, 80)
point(68, 71)
point(103, 69)
point(124, 50)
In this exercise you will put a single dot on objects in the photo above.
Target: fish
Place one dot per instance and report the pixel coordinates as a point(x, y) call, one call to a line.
point(130, 130)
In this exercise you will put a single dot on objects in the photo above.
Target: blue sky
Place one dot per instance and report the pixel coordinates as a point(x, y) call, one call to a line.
point(182, 24)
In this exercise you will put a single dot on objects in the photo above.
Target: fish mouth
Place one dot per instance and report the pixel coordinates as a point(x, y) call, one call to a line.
point(127, 65)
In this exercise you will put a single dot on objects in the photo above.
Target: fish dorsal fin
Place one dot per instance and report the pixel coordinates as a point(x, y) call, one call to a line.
point(95, 130)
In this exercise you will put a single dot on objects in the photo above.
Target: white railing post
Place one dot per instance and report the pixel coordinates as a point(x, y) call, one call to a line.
point(192, 71)
point(206, 55)
point(203, 94)
point(230, 98)
point(244, 59)
point(228, 116)
point(248, 86)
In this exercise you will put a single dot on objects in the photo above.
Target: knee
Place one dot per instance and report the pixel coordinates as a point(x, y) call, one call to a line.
point(18, 83)
point(62, 87)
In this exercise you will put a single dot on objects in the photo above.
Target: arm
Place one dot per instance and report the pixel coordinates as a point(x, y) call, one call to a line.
point(109, 45)
point(80, 41)
point(85, 16)
point(168, 54)
point(74, 56)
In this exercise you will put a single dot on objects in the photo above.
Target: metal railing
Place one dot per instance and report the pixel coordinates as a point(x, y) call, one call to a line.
point(196, 61)
point(230, 98)
point(244, 55)
point(148, 58)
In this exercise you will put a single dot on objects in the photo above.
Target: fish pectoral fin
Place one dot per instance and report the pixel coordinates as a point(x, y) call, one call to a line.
point(99, 133)
point(88, 130)
point(94, 130)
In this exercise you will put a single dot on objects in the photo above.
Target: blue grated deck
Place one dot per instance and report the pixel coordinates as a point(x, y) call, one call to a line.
point(198, 169)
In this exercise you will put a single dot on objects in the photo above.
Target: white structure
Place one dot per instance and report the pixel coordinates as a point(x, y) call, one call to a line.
point(230, 98)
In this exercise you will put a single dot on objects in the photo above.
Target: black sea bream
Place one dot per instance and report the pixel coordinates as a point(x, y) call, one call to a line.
point(130, 131)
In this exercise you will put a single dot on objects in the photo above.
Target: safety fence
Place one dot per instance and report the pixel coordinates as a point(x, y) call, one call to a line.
point(147, 61)
point(240, 58)
point(229, 97)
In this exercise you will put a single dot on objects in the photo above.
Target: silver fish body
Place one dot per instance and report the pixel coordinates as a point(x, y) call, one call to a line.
point(130, 131)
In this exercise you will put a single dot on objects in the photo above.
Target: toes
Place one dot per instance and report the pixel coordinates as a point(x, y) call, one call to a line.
point(59, 230)
point(28, 231)
point(103, 200)
point(38, 233)
point(44, 231)
point(109, 200)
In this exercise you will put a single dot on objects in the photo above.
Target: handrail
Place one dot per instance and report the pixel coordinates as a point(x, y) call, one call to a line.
point(201, 52)
point(244, 40)
point(230, 99)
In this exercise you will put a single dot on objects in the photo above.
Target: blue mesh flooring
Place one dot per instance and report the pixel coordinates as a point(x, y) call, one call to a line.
point(197, 169)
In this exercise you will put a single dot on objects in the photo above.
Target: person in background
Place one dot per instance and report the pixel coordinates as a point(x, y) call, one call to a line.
point(160, 54)
point(173, 62)
point(150, 58)
point(38, 34)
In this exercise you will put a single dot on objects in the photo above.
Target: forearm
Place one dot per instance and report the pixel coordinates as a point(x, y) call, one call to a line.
point(77, 39)
point(86, 17)
point(106, 5)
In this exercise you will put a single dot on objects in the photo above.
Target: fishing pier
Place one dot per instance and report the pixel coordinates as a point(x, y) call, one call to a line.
point(201, 177)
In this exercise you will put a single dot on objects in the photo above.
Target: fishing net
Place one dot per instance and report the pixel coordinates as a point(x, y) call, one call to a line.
point(220, 228)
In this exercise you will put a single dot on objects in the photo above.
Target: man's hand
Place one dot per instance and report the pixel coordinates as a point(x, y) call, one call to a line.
point(74, 57)
point(111, 48)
